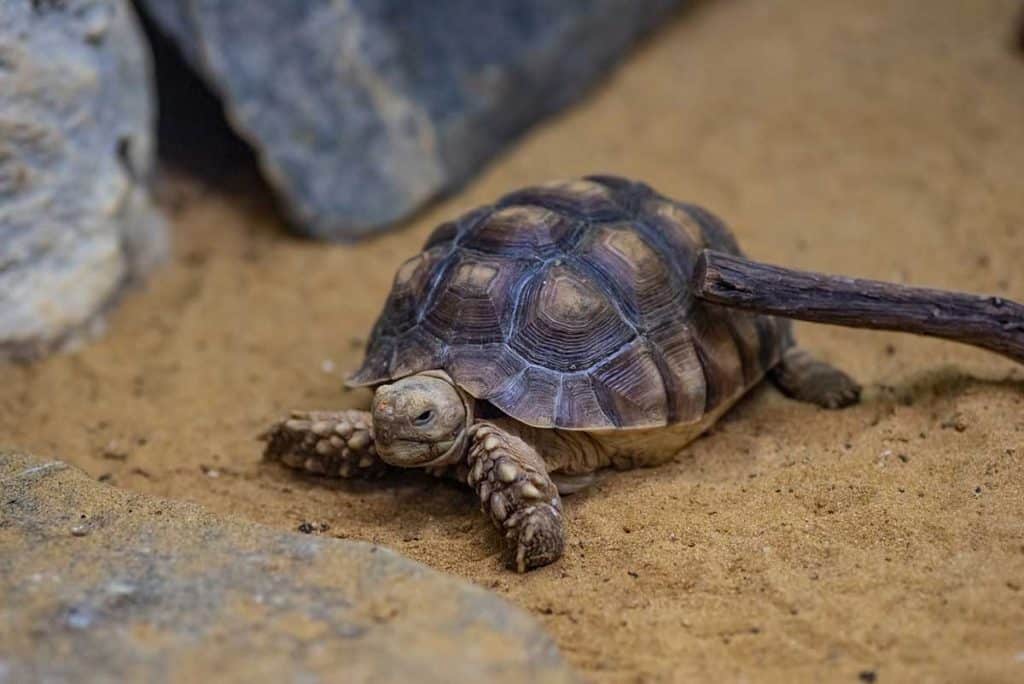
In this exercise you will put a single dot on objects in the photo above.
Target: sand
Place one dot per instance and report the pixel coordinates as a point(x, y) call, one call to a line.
point(877, 139)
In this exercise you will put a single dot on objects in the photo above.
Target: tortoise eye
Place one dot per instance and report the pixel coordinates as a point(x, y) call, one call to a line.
point(424, 417)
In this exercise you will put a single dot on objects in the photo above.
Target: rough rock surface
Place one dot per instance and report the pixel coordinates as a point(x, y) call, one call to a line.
point(362, 110)
point(76, 120)
point(100, 584)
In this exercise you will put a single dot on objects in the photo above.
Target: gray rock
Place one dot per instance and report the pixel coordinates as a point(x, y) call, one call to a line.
point(101, 584)
point(362, 110)
point(76, 147)
point(173, 18)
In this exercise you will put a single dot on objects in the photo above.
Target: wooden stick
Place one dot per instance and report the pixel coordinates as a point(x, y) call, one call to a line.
point(994, 323)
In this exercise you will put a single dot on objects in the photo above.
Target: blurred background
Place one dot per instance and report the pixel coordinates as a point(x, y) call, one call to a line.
point(203, 203)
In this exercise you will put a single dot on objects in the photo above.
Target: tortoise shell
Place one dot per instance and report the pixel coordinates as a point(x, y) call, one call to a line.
point(568, 305)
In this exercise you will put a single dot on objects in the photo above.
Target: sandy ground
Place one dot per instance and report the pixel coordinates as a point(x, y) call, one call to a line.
point(871, 138)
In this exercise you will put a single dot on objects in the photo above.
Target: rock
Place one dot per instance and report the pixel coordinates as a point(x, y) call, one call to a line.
point(76, 148)
point(101, 584)
point(172, 16)
point(363, 110)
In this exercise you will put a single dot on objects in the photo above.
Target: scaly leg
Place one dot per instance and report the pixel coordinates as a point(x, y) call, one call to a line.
point(517, 494)
point(331, 443)
point(803, 377)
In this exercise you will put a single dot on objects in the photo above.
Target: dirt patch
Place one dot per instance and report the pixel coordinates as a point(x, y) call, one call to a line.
point(877, 139)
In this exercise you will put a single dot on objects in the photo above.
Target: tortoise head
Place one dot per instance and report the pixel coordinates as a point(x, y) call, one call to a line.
point(421, 420)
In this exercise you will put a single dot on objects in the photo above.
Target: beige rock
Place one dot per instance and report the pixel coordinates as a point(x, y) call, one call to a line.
point(76, 152)
point(100, 584)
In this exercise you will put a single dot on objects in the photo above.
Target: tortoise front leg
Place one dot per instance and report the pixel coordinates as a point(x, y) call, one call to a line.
point(518, 496)
point(331, 443)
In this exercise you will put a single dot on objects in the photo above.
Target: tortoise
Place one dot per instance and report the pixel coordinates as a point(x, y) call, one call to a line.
point(537, 340)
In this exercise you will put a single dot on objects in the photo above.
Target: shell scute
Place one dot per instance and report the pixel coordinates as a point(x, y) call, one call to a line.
point(525, 231)
point(531, 394)
point(579, 198)
point(566, 322)
point(412, 279)
point(468, 306)
point(578, 404)
point(630, 387)
point(483, 370)
point(633, 270)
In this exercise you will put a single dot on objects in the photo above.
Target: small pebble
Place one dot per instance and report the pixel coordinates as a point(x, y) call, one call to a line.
point(327, 366)
point(117, 588)
point(79, 531)
point(956, 422)
point(115, 451)
point(79, 617)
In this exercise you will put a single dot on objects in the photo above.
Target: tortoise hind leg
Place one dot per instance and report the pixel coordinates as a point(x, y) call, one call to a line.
point(517, 494)
point(803, 377)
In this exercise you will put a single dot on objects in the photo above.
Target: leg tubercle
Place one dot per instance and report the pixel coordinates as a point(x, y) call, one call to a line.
point(331, 443)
